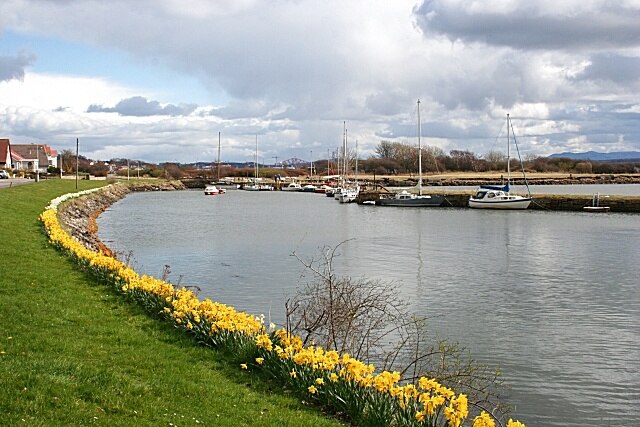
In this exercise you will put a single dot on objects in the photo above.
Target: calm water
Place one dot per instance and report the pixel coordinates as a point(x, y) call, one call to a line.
point(551, 298)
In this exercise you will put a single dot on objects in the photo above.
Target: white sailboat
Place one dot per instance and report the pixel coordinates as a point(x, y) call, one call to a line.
point(404, 198)
point(348, 193)
point(255, 186)
point(211, 189)
point(499, 197)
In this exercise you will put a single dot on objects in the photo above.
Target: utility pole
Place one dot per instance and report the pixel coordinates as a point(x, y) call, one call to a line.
point(276, 163)
point(77, 145)
point(128, 169)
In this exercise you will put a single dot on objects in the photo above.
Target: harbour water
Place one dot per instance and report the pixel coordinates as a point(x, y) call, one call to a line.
point(551, 298)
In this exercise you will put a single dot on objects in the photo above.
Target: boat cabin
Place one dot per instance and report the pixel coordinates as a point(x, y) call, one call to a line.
point(404, 195)
point(485, 194)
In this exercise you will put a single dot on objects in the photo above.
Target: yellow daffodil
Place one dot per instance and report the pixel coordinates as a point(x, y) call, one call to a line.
point(483, 420)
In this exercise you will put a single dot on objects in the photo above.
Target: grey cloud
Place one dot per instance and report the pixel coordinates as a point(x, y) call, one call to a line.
point(388, 103)
point(596, 123)
point(242, 109)
point(616, 68)
point(438, 129)
point(527, 27)
point(13, 67)
point(139, 106)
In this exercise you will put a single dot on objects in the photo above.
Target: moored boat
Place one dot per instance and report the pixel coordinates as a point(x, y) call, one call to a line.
point(348, 195)
point(595, 205)
point(293, 186)
point(212, 190)
point(322, 189)
point(404, 198)
point(499, 197)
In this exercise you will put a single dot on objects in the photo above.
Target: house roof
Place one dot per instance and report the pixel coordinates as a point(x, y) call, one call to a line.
point(50, 151)
point(4, 150)
point(16, 157)
point(30, 152)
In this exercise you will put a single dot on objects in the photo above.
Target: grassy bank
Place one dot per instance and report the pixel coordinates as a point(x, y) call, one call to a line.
point(75, 353)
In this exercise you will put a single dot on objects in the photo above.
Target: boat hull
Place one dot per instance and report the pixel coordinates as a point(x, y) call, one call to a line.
point(211, 190)
point(519, 203)
point(431, 201)
point(597, 209)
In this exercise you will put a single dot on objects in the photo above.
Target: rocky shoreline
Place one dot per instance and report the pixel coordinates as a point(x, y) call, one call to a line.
point(78, 217)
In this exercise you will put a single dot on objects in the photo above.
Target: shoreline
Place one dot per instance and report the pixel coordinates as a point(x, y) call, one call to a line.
point(79, 216)
point(454, 179)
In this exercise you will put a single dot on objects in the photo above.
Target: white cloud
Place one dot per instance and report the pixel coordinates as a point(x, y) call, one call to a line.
point(292, 71)
point(48, 92)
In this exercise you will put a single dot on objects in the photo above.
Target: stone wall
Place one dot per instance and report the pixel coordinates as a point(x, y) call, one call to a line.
point(78, 217)
point(554, 202)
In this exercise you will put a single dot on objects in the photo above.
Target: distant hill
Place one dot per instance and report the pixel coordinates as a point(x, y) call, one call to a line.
point(601, 157)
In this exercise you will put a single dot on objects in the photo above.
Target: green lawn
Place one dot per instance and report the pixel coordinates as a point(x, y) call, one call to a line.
point(72, 352)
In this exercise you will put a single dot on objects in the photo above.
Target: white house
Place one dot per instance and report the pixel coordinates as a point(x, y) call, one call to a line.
point(33, 157)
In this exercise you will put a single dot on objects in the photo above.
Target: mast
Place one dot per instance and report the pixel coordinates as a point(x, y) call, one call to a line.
point(508, 153)
point(356, 162)
point(344, 150)
point(218, 156)
point(419, 153)
point(256, 159)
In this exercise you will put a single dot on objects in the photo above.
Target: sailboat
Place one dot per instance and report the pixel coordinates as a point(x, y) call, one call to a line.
point(211, 189)
point(407, 199)
point(254, 186)
point(499, 197)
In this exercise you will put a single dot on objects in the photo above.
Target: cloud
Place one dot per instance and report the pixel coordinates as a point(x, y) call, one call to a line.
point(13, 67)
point(570, 25)
point(139, 106)
point(293, 71)
point(612, 67)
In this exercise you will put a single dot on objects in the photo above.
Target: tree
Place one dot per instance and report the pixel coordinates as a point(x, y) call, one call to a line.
point(584, 167)
point(362, 317)
point(68, 161)
point(430, 156)
point(172, 171)
point(496, 160)
point(385, 150)
point(463, 160)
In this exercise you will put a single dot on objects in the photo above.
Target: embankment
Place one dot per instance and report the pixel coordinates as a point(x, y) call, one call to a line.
point(79, 216)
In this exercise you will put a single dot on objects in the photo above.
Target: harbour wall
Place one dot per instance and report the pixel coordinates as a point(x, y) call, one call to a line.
point(552, 202)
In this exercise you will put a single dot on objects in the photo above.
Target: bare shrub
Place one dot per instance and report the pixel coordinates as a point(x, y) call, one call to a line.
point(369, 320)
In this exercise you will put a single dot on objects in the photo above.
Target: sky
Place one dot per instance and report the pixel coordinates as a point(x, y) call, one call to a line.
point(167, 80)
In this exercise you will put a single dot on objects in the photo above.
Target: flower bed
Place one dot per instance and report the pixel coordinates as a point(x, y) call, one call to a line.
point(338, 382)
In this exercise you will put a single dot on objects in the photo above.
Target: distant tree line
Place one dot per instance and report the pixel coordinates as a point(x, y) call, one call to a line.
point(390, 158)
point(400, 158)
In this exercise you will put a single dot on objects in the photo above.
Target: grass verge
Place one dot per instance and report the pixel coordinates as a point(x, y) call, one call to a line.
point(74, 353)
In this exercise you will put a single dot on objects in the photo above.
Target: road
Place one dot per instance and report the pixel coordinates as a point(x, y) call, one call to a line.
point(6, 183)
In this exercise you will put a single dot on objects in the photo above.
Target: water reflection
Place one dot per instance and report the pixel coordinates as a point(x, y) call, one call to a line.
point(551, 298)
